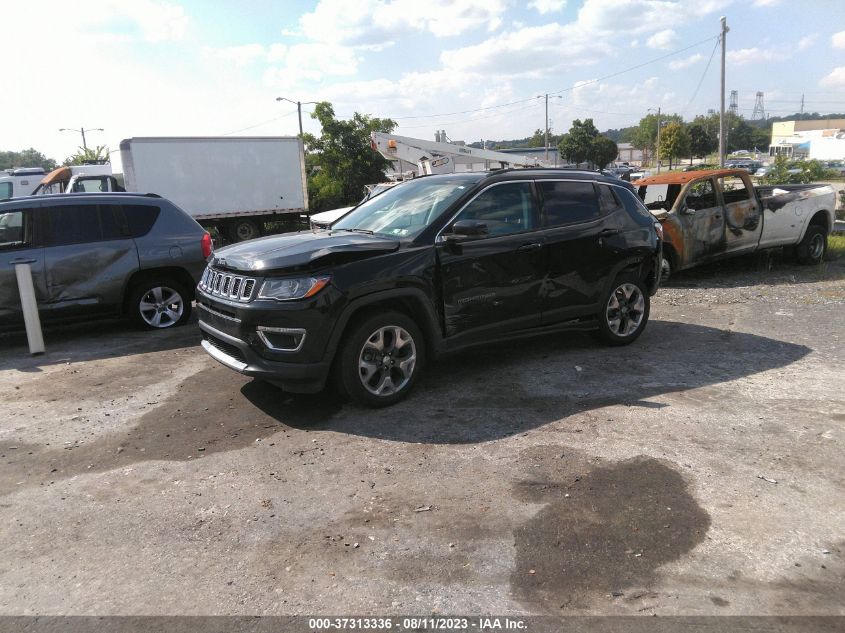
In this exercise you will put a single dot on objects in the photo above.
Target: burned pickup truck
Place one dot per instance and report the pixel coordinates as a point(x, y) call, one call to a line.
point(714, 214)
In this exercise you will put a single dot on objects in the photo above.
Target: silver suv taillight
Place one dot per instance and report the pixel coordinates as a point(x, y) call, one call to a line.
point(226, 285)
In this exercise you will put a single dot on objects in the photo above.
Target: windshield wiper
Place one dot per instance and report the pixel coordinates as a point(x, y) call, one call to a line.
point(367, 231)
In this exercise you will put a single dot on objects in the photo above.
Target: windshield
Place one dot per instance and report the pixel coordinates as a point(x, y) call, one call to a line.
point(407, 210)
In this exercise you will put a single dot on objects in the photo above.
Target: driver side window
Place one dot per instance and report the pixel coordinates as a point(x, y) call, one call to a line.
point(701, 195)
point(506, 208)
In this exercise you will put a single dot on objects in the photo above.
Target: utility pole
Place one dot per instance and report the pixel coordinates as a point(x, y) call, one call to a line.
point(657, 145)
point(547, 127)
point(298, 109)
point(658, 141)
point(722, 143)
point(82, 131)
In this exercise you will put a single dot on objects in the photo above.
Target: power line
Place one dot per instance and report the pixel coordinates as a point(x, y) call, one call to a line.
point(569, 89)
point(703, 75)
point(473, 119)
point(622, 72)
point(252, 127)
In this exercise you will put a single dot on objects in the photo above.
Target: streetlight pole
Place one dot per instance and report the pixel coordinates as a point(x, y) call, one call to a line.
point(82, 131)
point(298, 108)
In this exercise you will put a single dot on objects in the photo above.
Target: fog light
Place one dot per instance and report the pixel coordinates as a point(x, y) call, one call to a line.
point(281, 339)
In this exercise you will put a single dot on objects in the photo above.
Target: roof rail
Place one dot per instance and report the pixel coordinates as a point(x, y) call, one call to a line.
point(152, 195)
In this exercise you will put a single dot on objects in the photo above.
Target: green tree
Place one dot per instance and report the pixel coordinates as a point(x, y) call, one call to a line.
point(674, 142)
point(644, 136)
point(84, 155)
point(538, 139)
point(603, 151)
point(340, 162)
point(26, 158)
point(577, 145)
point(702, 140)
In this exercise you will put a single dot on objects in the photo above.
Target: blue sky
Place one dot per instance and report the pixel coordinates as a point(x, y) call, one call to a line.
point(471, 67)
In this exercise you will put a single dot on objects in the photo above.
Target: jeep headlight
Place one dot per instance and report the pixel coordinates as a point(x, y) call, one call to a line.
point(292, 288)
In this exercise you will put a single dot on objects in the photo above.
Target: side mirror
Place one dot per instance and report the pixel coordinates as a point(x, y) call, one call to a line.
point(469, 229)
point(687, 210)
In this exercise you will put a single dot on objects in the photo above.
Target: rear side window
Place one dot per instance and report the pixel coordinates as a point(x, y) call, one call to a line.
point(73, 224)
point(733, 189)
point(633, 205)
point(79, 224)
point(608, 202)
point(568, 202)
point(140, 218)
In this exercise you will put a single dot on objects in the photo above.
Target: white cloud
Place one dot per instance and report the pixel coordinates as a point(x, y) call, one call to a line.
point(532, 51)
point(547, 6)
point(838, 40)
point(686, 62)
point(663, 40)
point(807, 41)
point(835, 79)
point(766, 3)
point(239, 55)
point(370, 22)
point(744, 56)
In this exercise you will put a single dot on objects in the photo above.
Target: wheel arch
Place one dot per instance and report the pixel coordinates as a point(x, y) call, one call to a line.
point(412, 302)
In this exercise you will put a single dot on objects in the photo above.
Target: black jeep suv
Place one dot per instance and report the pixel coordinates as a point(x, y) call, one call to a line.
point(437, 264)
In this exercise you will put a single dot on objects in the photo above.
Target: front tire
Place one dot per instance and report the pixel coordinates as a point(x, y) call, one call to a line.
point(159, 304)
point(812, 248)
point(381, 359)
point(625, 310)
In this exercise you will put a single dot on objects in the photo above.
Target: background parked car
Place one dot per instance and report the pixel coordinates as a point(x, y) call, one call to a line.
point(101, 255)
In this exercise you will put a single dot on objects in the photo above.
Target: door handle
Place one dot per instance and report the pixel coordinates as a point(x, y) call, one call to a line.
point(608, 232)
point(531, 246)
point(23, 261)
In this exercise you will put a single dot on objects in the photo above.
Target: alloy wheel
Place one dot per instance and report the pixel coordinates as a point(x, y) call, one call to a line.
point(387, 360)
point(625, 310)
point(161, 307)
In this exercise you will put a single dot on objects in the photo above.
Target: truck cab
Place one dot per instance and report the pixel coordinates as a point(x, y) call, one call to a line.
point(96, 178)
point(16, 183)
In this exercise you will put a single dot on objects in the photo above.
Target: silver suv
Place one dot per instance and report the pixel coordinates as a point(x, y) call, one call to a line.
point(101, 255)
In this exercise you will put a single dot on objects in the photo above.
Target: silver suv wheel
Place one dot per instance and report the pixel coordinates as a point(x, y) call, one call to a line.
point(161, 307)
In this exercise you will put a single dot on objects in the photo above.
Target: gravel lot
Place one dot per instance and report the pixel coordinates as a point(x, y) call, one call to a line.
point(699, 471)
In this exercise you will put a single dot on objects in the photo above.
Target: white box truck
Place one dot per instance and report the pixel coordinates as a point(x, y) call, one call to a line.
point(241, 186)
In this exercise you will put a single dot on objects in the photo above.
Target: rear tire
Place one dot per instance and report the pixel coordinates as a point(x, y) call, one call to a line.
point(381, 359)
point(624, 312)
point(243, 230)
point(812, 248)
point(159, 304)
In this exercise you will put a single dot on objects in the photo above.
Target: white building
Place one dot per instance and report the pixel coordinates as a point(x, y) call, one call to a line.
point(823, 139)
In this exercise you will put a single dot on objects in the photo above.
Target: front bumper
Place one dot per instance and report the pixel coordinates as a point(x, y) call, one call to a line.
point(240, 357)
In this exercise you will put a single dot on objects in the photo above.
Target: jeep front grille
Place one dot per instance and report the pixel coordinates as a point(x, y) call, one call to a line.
point(227, 285)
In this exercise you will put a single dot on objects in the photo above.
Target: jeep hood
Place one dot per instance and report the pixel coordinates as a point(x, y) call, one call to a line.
point(302, 250)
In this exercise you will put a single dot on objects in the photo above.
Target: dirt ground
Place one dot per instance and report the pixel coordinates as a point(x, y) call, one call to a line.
point(699, 471)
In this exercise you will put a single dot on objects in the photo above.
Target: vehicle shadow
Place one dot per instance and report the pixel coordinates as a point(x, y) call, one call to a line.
point(772, 267)
point(497, 391)
point(91, 341)
point(477, 396)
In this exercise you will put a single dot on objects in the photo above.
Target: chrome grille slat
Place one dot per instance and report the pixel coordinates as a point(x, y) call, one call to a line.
point(227, 285)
